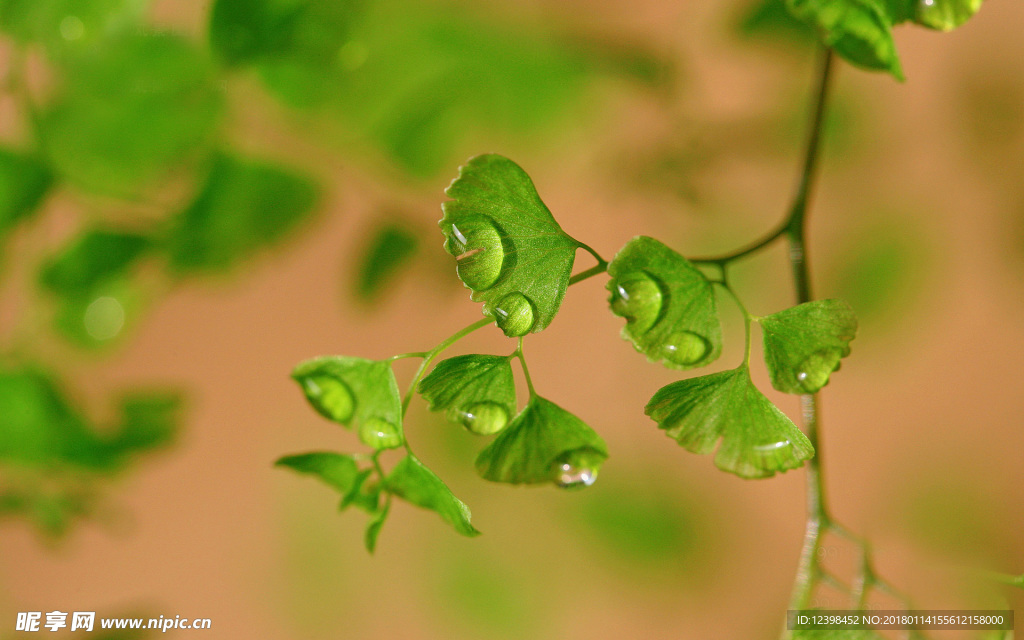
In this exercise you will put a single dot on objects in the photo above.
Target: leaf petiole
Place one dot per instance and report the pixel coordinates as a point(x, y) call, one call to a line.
point(436, 351)
point(526, 371)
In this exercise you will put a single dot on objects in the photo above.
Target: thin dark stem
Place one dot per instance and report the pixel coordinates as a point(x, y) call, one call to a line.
point(794, 228)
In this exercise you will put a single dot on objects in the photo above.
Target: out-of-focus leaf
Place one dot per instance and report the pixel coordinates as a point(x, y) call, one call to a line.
point(771, 19)
point(668, 304)
point(246, 31)
point(94, 257)
point(415, 483)
point(131, 110)
point(149, 420)
point(478, 391)
point(67, 26)
point(758, 440)
point(510, 251)
point(410, 79)
point(880, 272)
point(95, 319)
point(24, 180)
point(545, 443)
point(39, 426)
point(336, 469)
point(389, 251)
point(804, 344)
point(243, 207)
point(859, 30)
point(373, 530)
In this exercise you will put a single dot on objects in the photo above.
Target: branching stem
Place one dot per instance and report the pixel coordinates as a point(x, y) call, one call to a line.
point(436, 351)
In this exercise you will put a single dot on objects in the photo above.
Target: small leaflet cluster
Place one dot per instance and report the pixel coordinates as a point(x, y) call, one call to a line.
point(517, 261)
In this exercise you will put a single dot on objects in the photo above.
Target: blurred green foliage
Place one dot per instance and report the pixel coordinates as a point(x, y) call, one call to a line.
point(392, 245)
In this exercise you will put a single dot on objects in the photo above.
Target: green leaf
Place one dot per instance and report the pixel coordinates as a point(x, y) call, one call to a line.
point(93, 258)
point(94, 319)
point(859, 30)
point(246, 31)
point(544, 443)
point(758, 440)
point(149, 419)
point(24, 180)
point(364, 495)
point(668, 304)
point(373, 529)
point(344, 389)
point(130, 111)
point(389, 251)
point(945, 15)
point(336, 469)
point(415, 483)
point(39, 426)
point(804, 344)
point(409, 81)
point(477, 391)
point(771, 19)
point(510, 251)
point(244, 207)
point(67, 26)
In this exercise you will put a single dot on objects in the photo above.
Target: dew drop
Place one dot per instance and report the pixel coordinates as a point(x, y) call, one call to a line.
point(379, 434)
point(104, 318)
point(515, 315)
point(813, 372)
point(484, 418)
point(945, 15)
point(686, 348)
point(577, 469)
point(330, 397)
point(478, 250)
point(636, 297)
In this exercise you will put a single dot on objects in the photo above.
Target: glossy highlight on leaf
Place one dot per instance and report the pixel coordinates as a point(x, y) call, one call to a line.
point(668, 304)
point(757, 440)
point(343, 389)
point(512, 254)
point(804, 344)
point(415, 483)
point(477, 391)
point(536, 447)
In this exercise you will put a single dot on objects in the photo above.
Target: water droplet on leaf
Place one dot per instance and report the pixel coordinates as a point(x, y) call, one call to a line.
point(577, 469)
point(379, 434)
point(330, 397)
point(945, 15)
point(686, 348)
point(636, 297)
point(477, 247)
point(515, 315)
point(814, 371)
point(484, 418)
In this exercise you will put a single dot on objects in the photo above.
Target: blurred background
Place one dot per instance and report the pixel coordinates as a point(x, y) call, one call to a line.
point(195, 196)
